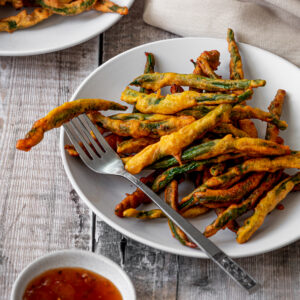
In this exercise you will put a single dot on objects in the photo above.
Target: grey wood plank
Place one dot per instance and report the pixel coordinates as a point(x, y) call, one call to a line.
point(277, 271)
point(39, 210)
point(154, 273)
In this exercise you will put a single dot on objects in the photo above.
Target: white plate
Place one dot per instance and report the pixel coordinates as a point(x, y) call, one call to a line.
point(57, 32)
point(102, 193)
point(75, 259)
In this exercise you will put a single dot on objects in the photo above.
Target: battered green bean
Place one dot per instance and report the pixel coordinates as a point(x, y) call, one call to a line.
point(66, 9)
point(275, 108)
point(61, 115)
point(167, 176)
point(173, 103)
point(265, 206)
point(231, 195)
point(137, 129)
point(255, 165)
point(236, 66)
point(228, 144)
point(157, 81)
point(236, 210)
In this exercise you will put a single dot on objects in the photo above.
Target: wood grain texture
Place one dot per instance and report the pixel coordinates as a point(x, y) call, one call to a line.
point(39, 210)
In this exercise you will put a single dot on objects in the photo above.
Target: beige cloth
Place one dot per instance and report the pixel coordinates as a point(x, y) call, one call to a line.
point(273, 25)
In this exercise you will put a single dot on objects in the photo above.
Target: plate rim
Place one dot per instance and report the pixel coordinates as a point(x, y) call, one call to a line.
point(117, 18)
point(195, 253)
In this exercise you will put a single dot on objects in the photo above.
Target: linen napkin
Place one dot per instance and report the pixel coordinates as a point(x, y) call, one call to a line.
point(273, 25)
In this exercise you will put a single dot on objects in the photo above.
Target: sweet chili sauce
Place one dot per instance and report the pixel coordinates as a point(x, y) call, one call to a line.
point(71, 284)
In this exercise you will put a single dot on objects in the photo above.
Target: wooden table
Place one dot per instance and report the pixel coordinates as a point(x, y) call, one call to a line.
point(40, 212)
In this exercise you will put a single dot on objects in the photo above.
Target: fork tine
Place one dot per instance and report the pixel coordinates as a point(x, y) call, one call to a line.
point(96, 132)
point(75, 142)
point(84, 142)
point(89, 136)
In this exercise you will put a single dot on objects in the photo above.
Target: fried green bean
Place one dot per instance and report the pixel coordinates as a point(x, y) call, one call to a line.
point(150, 63)
point(231, 195)
point(217, 169)
point(275, 108)
point(143, 214)
point(173, 143)
point(171, 197)
point(134, 145)
point(232, 224)
point(137, 129)
point(135, 199)
point(240, 112)
point(157, 81)
point(67, 9)
point(255, 165)
point(61, 115)
point(236, 210)
point(167, 176)
point(265, 206)
point(228, 128)
point(24, 20)
point(209, 61)
point(138, 116)
point(173, 103)
point(110, 7)
point(236, 66)
point(192, 212)
point(228, 144)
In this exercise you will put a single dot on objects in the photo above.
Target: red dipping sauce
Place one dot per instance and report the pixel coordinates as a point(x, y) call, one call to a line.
point(71, 284)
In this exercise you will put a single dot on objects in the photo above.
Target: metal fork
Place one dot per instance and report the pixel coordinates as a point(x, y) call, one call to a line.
point(104, 160)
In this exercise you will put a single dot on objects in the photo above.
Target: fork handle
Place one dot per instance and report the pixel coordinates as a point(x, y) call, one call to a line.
point(236, 272)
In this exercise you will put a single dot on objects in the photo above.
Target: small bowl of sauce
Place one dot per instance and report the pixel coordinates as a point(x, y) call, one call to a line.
point(73, 275)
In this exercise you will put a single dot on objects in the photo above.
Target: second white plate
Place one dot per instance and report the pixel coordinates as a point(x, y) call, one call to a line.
point(57, 32)
point(101, 193)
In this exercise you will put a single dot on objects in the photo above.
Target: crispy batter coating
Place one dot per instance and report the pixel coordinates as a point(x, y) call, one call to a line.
point(173, 103)
point(156, 81)
point(173, 143)
point(168, 175)
point(67, 9)
point(232, 224)
point(24, 20)
point(265, 206)
point(61, 115)
point(247, 112)
point(255, 165)
point(246, 145)
point(143, 214)
point(222, 197)
point(228, 128)
point(195, 211)
point(236, 210)
point(136, 116)
point(135, 145)
point(248, 127)
point(235, 65)
point(110, 7)
point(275, 108)
point(209, 61)
point(137, 129)
point(233, 194)
point(135, 199)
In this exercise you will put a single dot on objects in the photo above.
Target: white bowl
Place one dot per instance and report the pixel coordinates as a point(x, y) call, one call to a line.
point(75, 258)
